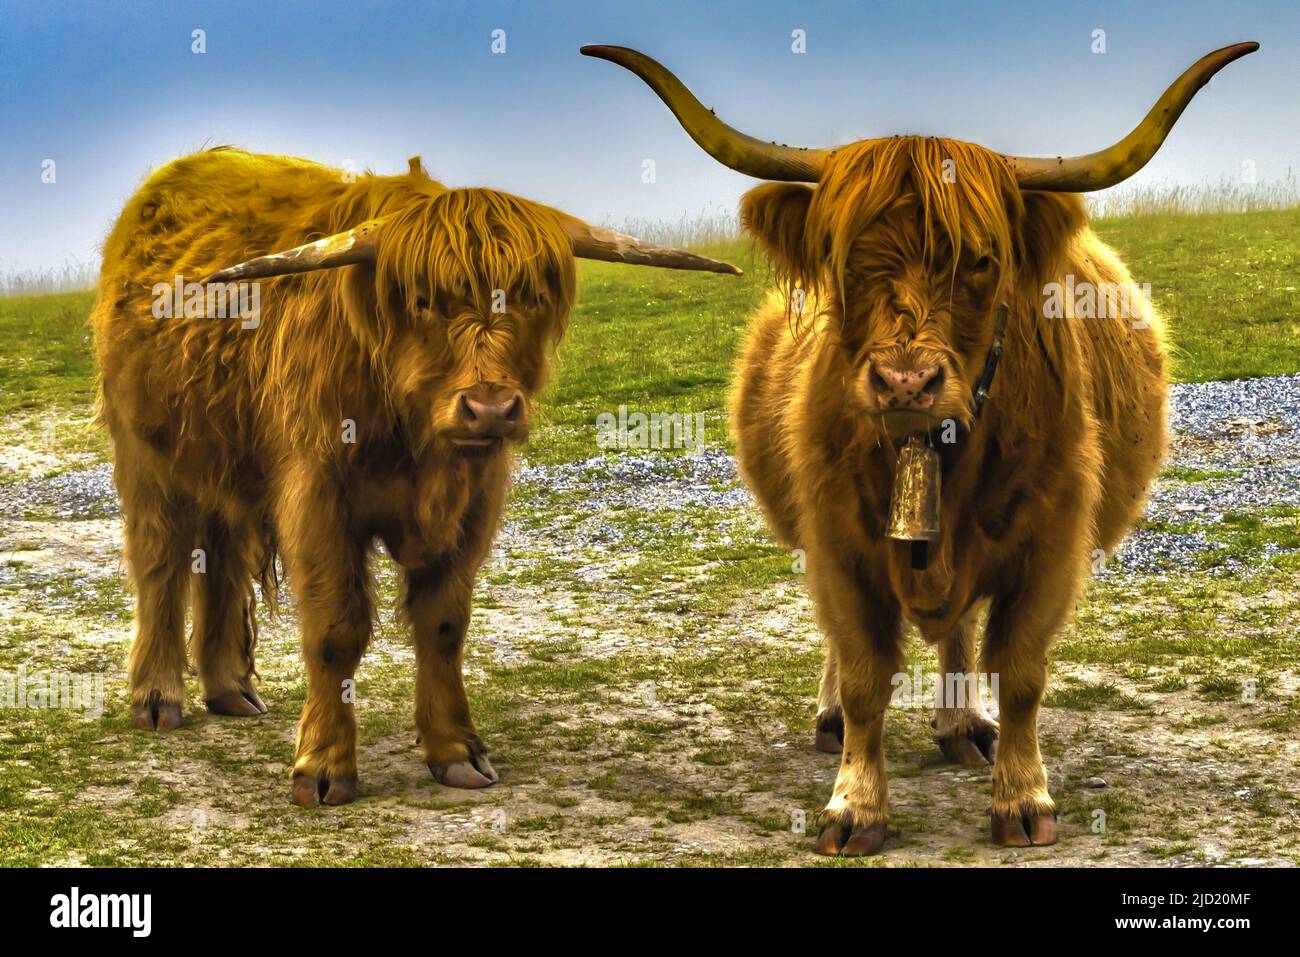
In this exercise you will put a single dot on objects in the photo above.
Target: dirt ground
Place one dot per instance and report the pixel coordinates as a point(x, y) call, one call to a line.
point(644, 675)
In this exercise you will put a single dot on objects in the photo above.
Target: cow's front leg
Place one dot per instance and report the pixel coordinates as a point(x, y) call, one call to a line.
point(964, 731)
point(865, 638)
point(327, 571)
point(1021, 627)
point(438, 603)
point(335, 630)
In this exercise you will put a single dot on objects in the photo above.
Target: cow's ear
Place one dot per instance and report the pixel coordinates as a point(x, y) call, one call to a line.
point(776, 214)
point(1049, 223)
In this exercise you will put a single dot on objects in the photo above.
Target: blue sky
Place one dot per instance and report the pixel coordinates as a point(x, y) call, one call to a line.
point(110, 90)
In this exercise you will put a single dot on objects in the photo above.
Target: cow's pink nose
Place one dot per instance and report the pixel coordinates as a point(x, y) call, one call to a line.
point(490, 414)
point(913, 387)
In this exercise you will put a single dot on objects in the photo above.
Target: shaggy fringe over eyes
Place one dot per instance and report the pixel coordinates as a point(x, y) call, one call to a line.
point(468, 242)
point(977, 209)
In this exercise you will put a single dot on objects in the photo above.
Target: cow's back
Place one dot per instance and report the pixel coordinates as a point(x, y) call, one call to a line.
point(181, 392)
point(202, 212)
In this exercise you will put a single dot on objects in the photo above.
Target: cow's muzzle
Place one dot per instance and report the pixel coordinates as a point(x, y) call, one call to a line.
point(913, 388)
point(486, 416)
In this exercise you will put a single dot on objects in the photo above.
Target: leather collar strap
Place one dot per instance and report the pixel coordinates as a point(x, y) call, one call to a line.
point(990, 363)
point(980, 393)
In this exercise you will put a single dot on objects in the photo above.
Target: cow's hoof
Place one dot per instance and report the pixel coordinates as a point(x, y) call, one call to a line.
point(156, 716)
point(836, 838)
point(308, 791)
point(974, 746)
point(476, 771)
point(830, 731)
point(237, 703)
point(1024, 830)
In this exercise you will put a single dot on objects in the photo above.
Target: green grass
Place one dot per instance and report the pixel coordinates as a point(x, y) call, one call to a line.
point(651, 339)
point(46, 358)
point(1180, 473)
point(1227, 283)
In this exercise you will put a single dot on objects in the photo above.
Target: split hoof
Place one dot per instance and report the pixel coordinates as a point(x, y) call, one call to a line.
point(830, 731)
point(156, 716)
point(476, 771)
point(1024, 830)
point(256, 700)
point(237, 703)
point(836, 839)
point(971, 745)
point(308, 791)
point(975, 747)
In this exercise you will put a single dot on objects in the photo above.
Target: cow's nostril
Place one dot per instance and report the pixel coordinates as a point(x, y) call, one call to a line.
point(465, 409)
point(878, 383)
point(515, 410)
point(933, 386)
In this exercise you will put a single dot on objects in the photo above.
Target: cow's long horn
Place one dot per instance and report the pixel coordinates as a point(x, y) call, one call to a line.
point(357, 245)
point(1081, 174)
point(593, 242)
point(727, 145)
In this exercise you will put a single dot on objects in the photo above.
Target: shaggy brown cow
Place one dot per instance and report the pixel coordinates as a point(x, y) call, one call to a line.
point(906, 272)
point(362, 404)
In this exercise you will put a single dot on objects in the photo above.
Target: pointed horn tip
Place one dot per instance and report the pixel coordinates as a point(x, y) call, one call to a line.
point(1225, 55)
point(1235, 51)
point(620, 56)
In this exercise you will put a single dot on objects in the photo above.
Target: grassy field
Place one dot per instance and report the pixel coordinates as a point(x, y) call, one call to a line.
point(644, 671)
point(656, 338)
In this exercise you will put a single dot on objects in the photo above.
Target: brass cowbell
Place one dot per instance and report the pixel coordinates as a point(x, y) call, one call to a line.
point(914, 504)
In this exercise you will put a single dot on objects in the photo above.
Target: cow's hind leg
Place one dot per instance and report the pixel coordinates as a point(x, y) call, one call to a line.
point(159, 537)
point(1020, 630)
point(438, 604)
point(225, 626)
point(830, 716)
point(964, 731)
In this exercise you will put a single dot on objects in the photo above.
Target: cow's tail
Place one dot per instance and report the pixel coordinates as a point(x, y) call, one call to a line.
point(267, 575)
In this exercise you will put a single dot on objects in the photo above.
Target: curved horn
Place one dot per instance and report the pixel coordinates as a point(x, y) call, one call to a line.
point(357, 245)
point(593, 242)
point(727, 145)
point(1081, 174)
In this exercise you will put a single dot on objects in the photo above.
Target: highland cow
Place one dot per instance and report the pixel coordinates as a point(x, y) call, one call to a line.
point(913, 277)
point(373, 403)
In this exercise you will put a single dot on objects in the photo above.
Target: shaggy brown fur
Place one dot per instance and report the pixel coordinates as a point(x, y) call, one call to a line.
point(901, 265)
point(235, 441)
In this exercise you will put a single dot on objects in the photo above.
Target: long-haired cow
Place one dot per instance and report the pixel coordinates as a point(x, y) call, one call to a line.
point(920, 276)
point(349, 405)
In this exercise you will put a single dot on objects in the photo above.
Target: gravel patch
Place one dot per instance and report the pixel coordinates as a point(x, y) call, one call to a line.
point(654, 483)
point(83, 493)
point(1248, 429)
